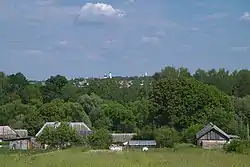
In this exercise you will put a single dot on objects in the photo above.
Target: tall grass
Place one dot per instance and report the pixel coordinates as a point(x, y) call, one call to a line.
point(78, 157)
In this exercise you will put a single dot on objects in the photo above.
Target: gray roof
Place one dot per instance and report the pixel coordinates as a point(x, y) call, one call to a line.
point(22, 132)
point(79, 126)
point(7, 132)
point(142, 143)
point(122, 137)
point(210, 127)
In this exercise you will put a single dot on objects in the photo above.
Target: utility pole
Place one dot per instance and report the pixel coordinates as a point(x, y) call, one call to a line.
point(247, 130)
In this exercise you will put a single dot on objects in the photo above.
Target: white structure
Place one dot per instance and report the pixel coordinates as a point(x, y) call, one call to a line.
point(114, 147)
point(145, 149)
point(80, 127)
point(105, 76)
point(110, 75)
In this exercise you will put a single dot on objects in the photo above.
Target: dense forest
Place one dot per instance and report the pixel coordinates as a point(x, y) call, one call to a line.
point(171, 98)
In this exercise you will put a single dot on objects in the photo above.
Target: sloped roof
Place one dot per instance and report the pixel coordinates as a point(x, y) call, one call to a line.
point(142, 143)
point(22, 132)
point(122, 137)
point(7, 132)
point(79, 126)
point(210, 127)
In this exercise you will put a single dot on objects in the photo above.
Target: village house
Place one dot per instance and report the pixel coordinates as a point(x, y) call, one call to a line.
point(6, 132)
point(122, 137)
point(80, 127)
point(140, 143)
point(17, 138)
point(212, 136)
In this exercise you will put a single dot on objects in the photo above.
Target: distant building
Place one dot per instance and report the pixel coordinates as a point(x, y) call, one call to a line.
point(6, 132)
point(122, 137)
point(22, 132)
point(105, 76)
point(140, 143)
point(22, 143)
point(110, 75)
point(80, 127)
point(212, 136)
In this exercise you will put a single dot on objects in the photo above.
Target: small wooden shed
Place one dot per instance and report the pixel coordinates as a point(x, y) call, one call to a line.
point(140, 143)
point(21, 143)
point(211, 136)
point(122, 137)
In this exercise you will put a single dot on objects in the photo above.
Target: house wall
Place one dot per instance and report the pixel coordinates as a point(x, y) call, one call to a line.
point(212, 139)
point(212, 144)
point(20, 145)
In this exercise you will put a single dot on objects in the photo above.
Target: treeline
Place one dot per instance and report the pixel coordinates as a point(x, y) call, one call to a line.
point(171, 98)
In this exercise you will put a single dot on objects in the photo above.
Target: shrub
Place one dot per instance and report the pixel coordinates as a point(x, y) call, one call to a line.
point(188, 135)
point(61, 136)
point(238, 146)
point(100, 139)
point(166, 137)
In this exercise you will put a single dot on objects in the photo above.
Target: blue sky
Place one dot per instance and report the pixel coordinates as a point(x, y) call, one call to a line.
point(76, 38)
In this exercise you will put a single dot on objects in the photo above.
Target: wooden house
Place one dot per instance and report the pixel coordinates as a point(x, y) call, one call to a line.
point(6, 132)
point(21, 143)
point(122, 137)
point(140, 143)
point(211, 136)
point(80, 127)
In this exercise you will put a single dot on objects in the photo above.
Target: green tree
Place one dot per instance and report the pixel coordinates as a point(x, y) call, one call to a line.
point(60, 136)
point(100, 139)
point(182, 102)
point(123, 119)
point(166, 137)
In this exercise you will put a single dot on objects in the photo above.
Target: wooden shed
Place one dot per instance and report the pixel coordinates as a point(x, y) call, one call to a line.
point(6, 132)
point(23, 143)
point(211, 136)
point(140, 143)
point(122, 137)
point(80, 127)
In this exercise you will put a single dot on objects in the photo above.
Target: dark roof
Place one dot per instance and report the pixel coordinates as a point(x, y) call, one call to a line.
point(142, 143)
point(122, 137)
point(210, 127)
point(18, 138)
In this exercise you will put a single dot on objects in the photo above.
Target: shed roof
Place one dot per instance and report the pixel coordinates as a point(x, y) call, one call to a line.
point(7, 132)
point(210, 127)
point(122, 137)
point(79, 126)
point(142, 143)
point(22, 132)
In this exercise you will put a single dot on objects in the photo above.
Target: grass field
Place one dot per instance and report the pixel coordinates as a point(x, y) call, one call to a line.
point(76, 157)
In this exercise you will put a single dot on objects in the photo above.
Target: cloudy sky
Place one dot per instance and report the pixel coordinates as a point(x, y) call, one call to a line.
point(76, 38)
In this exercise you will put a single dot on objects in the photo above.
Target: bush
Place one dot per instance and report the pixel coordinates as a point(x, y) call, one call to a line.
point(166, 137)
point(100, 139)
point(61, 136)
point(238, 146)
point(188, 135)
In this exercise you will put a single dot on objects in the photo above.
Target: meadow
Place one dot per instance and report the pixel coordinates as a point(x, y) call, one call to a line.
point(78, 157)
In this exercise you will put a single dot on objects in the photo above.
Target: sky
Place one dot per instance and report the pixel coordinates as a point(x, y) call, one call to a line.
point(79, 38)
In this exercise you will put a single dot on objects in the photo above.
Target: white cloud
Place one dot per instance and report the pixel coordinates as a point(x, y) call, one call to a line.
point(216, 16)
point(98, 12)
point(64, 42)
point(245, 16)
point(240, 48)
point(187, 47)
point(33, 51)
point(130, 1)
point(44, 2)
point(194, 29)
point(150, 39)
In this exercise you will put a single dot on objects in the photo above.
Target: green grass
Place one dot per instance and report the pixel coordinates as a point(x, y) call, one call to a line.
point(77, 157)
